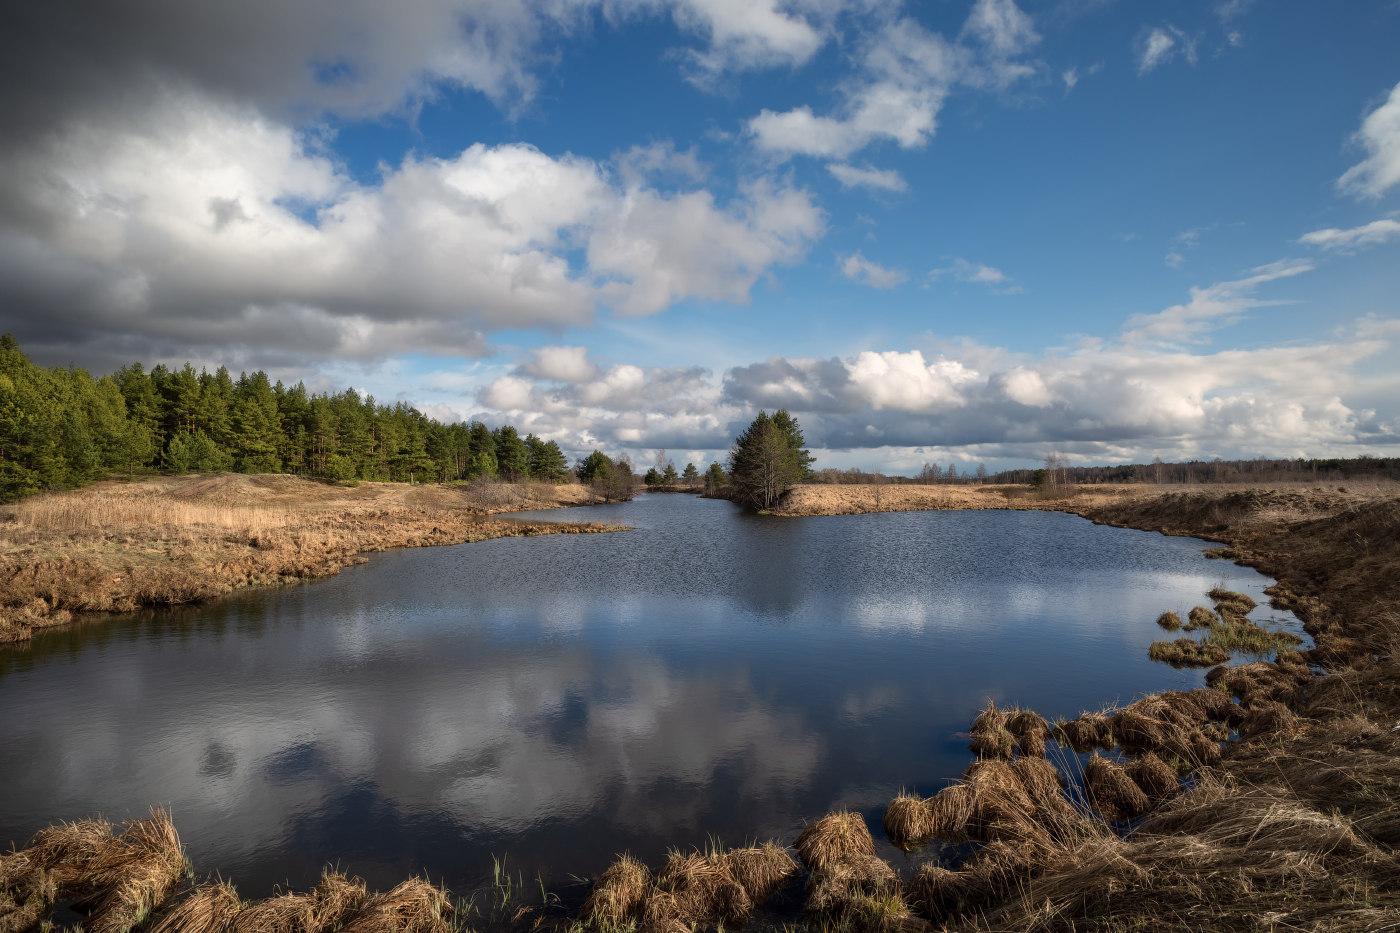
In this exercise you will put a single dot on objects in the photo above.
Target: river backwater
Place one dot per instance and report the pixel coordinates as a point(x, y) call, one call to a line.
point(557, 700)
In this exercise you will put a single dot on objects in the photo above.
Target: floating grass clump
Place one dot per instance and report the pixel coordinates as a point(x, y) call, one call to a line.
point(907, 821)
point(1169, 620)
point(1228, 601)
point(1187, 652)
point(1199, 618)
point(850, 888)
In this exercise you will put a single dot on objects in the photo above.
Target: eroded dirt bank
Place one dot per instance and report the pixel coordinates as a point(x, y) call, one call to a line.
point(117, 546)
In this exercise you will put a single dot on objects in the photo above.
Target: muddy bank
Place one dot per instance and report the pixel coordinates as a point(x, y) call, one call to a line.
point(115, 547)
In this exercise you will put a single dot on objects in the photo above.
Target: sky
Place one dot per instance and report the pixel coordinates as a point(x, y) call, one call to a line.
point(951, 232)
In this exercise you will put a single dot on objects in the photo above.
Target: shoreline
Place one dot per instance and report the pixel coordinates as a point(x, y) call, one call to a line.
point(116, 547)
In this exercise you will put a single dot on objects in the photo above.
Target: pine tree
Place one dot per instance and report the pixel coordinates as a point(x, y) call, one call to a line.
point(767, 459)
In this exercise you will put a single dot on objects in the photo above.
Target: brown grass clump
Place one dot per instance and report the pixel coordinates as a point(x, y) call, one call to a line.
point(990, 736)
point(834, 839)
point(1230, 601)
point(907, 821)
point(414, 906)
point(762, 871)
point(951, 813)
point(1031, 745)
point(936, 892)
point(208, 909)
point(1267, 718)
point(1186, 652)
point(1085, 733)
point(1200, 617)
point(1045, 786)
point(1111, 791)
point(702, 889)
point(1023, 722)
point(1169, 621)
point(1259, 680)
point(135, 873)
point(860, 895)
point(1154, 777)
point(617, 895)
point(289, 913)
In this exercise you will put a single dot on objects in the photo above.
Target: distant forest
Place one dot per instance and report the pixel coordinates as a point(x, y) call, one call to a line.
point(61, 427)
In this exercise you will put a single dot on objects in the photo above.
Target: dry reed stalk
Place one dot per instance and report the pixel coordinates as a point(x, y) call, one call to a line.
point(1258, 680)
point(208, 909)
point(761, 870)
point(990, 736)
point(908, 822)
point(1045, 786)
point(414, 906)
point(1023, 722)
point(1111, 791)
point(835, 838)
point(836, 893)
point(1154, 777)
point(1169, 621)
point(618, 894)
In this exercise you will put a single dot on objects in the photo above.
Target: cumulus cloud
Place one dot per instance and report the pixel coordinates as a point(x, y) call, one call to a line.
point(560, 364)
point(876, 179)
point(1161, 45)
point(212, 225)
point(1125, 398)
point(1103, 400)
point(1380, 137)
point(617, 408)
point(1210, 307)
point(1372, 234)
point(904, 75)
point(859, 269)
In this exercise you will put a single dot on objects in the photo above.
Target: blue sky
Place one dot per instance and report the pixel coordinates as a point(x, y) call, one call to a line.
point(948, 231)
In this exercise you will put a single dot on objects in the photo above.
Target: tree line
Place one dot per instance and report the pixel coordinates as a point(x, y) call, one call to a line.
point(62, 427)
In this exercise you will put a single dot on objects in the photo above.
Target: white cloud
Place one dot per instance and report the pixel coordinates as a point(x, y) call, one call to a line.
point(1073, 76)
point(859, 269)
point(560, 364)
point(1161, 45)
point(209, 225)
point(1380, 137)
point(1175, 260)
point(1372, 234)
point(1210, 307)
point(904, 75)
point(876, 179)
point(965, 271)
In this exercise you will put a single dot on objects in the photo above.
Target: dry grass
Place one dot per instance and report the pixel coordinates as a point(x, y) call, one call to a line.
point(117, 546)
point(1187, 652)
point(617, 895)
point(414, 906)
point(835, 838)
point(1169, 620)
point(207, 909)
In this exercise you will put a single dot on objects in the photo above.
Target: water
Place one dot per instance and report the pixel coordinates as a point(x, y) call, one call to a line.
point(562, 699)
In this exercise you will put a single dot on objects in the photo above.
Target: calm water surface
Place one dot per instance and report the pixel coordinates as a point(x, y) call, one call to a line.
point(562, 699)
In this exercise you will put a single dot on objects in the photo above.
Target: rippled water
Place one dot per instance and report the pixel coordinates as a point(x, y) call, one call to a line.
point(562, 699)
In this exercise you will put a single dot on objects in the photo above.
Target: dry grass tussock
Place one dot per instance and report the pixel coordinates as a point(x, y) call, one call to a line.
point(118, 879)
point(715, 886)
point(124, 881)
point(118, 546)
